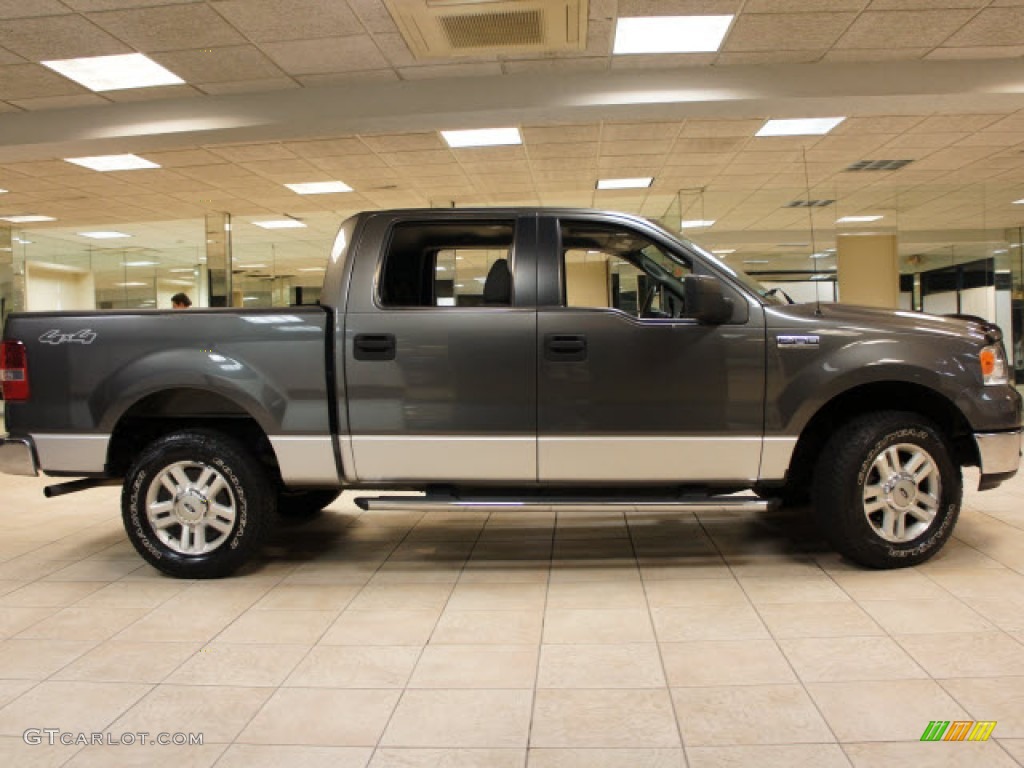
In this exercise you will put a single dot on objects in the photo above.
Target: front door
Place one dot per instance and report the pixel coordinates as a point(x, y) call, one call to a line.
point(440, 362)
point(630, 389)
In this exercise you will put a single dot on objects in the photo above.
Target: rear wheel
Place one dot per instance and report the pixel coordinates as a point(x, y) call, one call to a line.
point(300, 504)
point(195, 504)
point(886, 491)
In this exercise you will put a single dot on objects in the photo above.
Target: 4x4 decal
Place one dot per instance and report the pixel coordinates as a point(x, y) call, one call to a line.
point(84, 336)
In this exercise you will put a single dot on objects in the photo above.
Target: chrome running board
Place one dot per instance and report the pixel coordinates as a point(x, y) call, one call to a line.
point(688, 502)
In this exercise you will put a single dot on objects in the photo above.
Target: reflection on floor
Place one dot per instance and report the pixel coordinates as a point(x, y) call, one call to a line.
point(576, 638)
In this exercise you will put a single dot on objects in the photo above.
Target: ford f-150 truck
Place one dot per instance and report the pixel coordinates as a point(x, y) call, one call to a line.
point(512, 356)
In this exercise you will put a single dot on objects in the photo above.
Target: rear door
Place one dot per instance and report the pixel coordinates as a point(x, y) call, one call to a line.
point(440, 356)
point(630, 389)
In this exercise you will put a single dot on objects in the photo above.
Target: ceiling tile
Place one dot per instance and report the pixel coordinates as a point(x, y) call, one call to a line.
point(767, 57)
point(802, 6)
point(152, 94)
point(909, 5)
point(992, 26)
point(423, 157)
point(271, 20)
point(182, 158)
point(17, 9)
point(58, 37)
point(31, 81)
point(61, 102)
point(698, 145)
point(876, 54)
point(588, 149)
point(404, 142)
point(217, 65)
point(249, 86)
point(952, 123)
point(891, 29)
point(374, 15)
point(984, 52)
point(169, 28)
point(635, 148)
point(116, 5)
point(340, 54)
point(475, 69)
point(359, 76)
point(559, 134)
point(579, 64)
point(677, 7)
point(476, 155)
point(7, 57)
point(638, 131)
point(328, 147)
point(720, 128)
point(787, 31)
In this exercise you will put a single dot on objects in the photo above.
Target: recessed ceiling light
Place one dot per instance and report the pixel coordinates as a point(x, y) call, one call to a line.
point(29, 242)
point(311, 269)
point(112, 162)
point(26, 219)
point(251, 266)
point(857, 219)
point(112, 73)
point(636, 183)
point(809, 126)
point(1019, 202)
point(182, 269)
point(319, 187)
point(723, 251)
point(696, 223)
point(670, 34)
point(139, 263)
point(822, 255)
point(103, 235)
point(131, 285)
point(483, 137)
point(280, 224)
point(3, 191)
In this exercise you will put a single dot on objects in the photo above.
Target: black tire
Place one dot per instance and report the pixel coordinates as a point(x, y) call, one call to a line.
point(231, 510)
point(846, 512)
point(297, 505)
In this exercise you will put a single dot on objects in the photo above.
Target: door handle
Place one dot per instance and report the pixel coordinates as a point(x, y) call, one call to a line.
point(374, 346)
point(565, 347)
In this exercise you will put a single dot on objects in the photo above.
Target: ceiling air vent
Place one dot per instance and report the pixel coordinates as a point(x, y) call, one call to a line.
point(808, 204)
point(878, 165)
point(450, 28)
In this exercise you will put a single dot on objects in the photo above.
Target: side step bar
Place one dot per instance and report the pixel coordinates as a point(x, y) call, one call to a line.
point(693, 503)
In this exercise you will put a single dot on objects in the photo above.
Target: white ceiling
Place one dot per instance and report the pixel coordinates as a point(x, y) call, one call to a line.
point(284, 91)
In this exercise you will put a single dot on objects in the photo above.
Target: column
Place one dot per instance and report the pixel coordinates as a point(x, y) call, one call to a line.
point(868, 270)
point(12, 276)
point(218, 259)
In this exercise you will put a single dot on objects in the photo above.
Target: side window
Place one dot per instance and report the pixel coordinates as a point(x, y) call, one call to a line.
point(448, 264)
point(611, 267)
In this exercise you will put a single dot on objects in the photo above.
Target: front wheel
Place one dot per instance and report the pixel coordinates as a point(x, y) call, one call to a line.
point(886, 491)
point(195, 505)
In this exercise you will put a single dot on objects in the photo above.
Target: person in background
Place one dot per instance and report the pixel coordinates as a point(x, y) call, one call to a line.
point(180, 301)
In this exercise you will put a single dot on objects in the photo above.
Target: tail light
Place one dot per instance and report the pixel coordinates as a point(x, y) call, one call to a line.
point(14, 370)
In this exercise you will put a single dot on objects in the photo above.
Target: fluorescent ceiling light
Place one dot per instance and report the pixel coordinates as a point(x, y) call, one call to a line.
point(139, 263)
point(131, 285)
point(755, 261)
point(112, 162)
point(182, 269)
point(312, 269)
point(822, 255)
point(670, 34)
point(484, 137)
point(810, 126)
point(29, 242)
point(26, 219)
point(696, 223)
point(319, 187)
point(1019, 202)
point(857, 219)
point(112, 73)
point(636, 183)
point(3, 191)
point(251, 266)
point(280, 224)
point(723, 251)
point(103, 235)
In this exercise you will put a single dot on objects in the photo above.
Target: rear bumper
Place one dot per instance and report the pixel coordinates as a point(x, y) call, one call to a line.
point(18, 456)
point(998, 455)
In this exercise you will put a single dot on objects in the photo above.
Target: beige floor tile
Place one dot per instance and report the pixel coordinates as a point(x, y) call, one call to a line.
point(956, 555)
point(597, 595)
point(269, 756)
point(497, 597)
point(725, 662)
point(218, 712)
point(12, 689)
point(119, 661)
point(95, 570)
point(476, 666)
point(14, 751)
point(447, 758)
point(904, 584)
point(402, 597)
point(1005, 613)
point(332, 573)
point(604, 719)
point(47, 594)
point(999, 699)
point(606, 758)
point(980, 582)
point(307, 597)
point(941, 755)
point(978, 654)
point(891, 710)
point(635, 666)
point(38, 659)
point(71, 706)
point(126, 594)
point(240, 664)
point(339, 666)
point(911, 617)
point(29, 568)
point(447, 718)
point(1015, 747)
point(819, 589)
point(608, 570)
point(79, 622)
point(298, 627)
point(311, 716)
point(693, 567)
point(501, 627)
point(834, 659)
point(681, 594)
point(166, 624)
point(745, 715)
point(771, 756)
point(505, 572)
point(15, 620)
point(410, 572)
point(381, 628)
point(818, 620)
point(707, 622)
point(157, 756)
point(594, 625)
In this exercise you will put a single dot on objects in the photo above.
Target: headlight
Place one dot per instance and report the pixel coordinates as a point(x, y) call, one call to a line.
point(993, 365)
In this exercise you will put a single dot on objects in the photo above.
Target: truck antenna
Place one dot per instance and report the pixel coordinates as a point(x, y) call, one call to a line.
point(814, 249)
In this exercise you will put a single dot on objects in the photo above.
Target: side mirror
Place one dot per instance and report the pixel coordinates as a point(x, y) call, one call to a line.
point(704, 300)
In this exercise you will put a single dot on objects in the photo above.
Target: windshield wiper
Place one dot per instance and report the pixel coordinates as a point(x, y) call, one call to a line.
point(772, 291)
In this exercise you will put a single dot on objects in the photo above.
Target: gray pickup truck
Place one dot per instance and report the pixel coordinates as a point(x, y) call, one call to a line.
point(512, 356)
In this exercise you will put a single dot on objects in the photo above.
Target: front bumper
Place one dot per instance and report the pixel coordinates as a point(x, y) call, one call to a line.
point(18, 456)
point(998, 456)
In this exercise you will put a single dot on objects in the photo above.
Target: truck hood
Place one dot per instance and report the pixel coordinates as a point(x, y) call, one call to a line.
point(883, 320)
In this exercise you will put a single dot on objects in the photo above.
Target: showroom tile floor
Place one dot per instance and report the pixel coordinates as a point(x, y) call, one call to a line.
point(572, 638)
